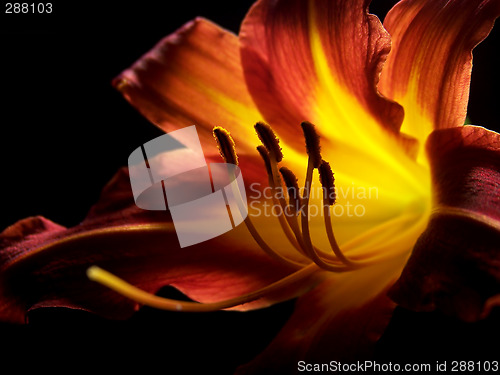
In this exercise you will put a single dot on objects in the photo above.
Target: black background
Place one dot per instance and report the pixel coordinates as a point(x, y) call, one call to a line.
point(65, 131)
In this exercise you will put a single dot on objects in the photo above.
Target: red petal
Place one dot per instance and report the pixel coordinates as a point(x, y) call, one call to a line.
point(44, 265)
point(429, 68)
point(291, 49)
point(193, 76)
point(339, 320)
point(454, 264)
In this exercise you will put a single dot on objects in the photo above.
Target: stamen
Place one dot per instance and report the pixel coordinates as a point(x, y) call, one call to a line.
point(295, 200)
point(292, 186)
point(314, 161)
point(269, 140)
point(120, 286)
point(312, 143)
point(329, 197)
point(288, 224)
point(271, 154)
point(226, 146)
point(271, 158)
point(328, 182)
point(331, 238)
point(227, 139)
point(311, 251)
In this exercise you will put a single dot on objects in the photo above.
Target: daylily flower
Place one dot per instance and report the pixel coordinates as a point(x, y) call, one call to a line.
point(417, 209)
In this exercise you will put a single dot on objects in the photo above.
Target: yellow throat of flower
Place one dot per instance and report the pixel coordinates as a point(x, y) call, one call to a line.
point(374, 219)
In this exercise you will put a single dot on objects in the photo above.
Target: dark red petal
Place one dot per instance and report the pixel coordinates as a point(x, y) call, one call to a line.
point(44, 265)
point(455, 263)
point(286, 71)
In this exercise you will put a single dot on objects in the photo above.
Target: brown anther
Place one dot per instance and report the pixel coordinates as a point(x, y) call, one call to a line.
point(312, 143)
point(226, 145)
point(328, 182)
point(292, 185)
point(269, 140)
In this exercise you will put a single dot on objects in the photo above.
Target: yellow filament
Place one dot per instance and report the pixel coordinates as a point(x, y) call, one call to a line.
point(311, 251)
point(257, 237)
point(291, 223)
point(266, 248)
point(227, 151)
point(288, 224)
point(333, 242)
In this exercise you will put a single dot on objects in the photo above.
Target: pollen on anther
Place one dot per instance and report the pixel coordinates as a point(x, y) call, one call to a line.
point(226, 145)
point(328, 182)
point(312, 143)
point(269, 140)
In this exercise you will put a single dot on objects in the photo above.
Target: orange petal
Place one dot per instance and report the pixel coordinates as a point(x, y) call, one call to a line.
point(339, 320)
point(299, 60)
point(429, 68)
point(454, 265)
point(44, 265)
point(193, 77)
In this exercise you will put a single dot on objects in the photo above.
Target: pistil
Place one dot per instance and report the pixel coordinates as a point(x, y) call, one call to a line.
point(113, 282)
